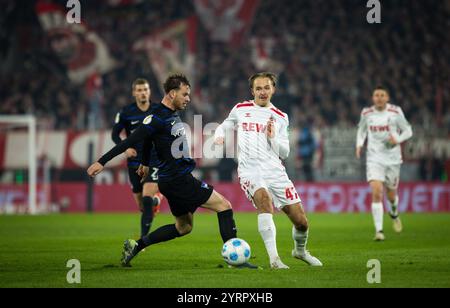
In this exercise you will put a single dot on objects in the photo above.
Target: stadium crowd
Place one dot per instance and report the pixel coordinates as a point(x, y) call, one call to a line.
point(326, 54)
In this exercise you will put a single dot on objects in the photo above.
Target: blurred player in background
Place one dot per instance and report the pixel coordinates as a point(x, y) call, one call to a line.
point(145, 192)
point(262, 141)
point(385, 127)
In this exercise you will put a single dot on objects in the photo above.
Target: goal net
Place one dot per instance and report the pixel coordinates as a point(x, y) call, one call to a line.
point(19, 167)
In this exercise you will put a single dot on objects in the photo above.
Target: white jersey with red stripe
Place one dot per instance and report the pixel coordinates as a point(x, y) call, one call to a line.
point(377, 126)
point(256, 152)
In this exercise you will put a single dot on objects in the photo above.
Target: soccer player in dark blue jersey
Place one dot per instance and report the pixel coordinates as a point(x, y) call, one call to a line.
point(145, 192)
point(164, 131)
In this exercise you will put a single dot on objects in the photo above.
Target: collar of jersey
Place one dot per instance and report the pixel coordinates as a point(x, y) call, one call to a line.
point(385, 109)
point(165, 107)
point(257, 106)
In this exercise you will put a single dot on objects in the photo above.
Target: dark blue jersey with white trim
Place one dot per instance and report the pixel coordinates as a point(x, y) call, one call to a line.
point(129, 119)
point(164, 132)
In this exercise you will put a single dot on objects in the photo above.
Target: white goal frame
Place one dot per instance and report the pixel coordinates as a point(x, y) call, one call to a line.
point(29, 122)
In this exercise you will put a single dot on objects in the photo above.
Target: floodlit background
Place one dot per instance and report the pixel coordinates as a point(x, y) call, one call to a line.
point(74, 78)
point(68, 81)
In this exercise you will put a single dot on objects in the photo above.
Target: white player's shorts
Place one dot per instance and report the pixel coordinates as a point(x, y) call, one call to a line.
point(277, 183)
point(388, 174)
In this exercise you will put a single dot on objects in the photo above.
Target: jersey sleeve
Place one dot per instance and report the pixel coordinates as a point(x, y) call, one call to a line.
point(362, 131)
point(404, 127)
point(280, 143)
point(147, 151)
point(229, 123)
point(145, 131)
point(119, 125)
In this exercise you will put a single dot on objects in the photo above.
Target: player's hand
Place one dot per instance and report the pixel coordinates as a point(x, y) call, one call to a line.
point(131, 153)
point(219, 141)
point(143, 172)
point(95, 169)
point(392, 141)
point(271, 128)
point(358, 152)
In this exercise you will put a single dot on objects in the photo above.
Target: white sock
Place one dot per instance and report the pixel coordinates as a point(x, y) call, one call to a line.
point(300, 240)
point(377, 213)
point(394, 207)
point(268, 231)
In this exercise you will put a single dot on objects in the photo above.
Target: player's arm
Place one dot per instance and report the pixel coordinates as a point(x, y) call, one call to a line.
point(279, 141)
point(142, 133)
point(144, 169)
point(119, 125)
point(361, 135)
point(117, 129)
point(229, 123)
point(405, 130)
point(147, 151)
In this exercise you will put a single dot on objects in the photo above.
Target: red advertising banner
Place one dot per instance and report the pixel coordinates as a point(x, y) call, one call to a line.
point(68, 149)
point(330, 198)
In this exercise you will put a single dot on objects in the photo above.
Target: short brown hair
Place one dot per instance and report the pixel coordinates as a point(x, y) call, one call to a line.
point(381, 88)
point(269, 75)
point(174, 82)
point(140, 81)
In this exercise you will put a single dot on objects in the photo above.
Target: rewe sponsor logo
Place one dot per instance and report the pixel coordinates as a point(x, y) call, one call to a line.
point(254, 127)
point(379, 129)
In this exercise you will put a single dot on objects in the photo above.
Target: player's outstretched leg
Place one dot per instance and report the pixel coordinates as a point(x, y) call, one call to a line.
point(394, 212)
point(183, 226)
point(267, 228)
point(300, 231)
point(377, 209)
point(227, 225)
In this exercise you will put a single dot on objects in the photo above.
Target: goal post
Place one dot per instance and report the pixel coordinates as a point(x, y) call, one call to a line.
point(29, 122)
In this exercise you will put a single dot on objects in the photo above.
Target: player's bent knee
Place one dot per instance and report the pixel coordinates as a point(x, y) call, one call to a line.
point(302, 226)
point(226, 205)
point(377, 196)
point(264, 203)
point(266, 209)
point(222, 206)
point(392, 195)
point(300, 222)
point(184, 229)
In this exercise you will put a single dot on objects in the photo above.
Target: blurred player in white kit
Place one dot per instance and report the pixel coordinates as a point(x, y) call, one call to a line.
point(385, 128)
point(263, 141)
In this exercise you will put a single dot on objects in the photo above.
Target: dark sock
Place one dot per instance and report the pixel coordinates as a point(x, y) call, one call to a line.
point(227, 225)
point(147, 215)
point(163, 234)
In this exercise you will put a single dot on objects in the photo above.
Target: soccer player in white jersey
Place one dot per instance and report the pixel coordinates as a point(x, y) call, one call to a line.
point(262, 143)
point(385, 127)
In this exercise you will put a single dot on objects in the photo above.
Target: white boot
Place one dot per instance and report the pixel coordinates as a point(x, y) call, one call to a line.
point(307, 258)
point(277, 264)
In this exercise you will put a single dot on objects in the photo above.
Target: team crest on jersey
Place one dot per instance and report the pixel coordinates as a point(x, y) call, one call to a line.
point(178, 130)
point(148, 120)
point(248, 115)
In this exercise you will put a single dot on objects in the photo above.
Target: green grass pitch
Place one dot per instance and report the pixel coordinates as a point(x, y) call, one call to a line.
point(34, 252)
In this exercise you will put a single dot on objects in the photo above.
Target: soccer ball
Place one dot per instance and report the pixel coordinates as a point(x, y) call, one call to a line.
point(236, 251)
